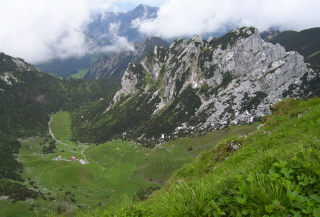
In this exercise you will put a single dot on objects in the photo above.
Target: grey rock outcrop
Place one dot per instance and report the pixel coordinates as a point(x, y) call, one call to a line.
point(129, 83)
point(241, 80)
point(201, 85)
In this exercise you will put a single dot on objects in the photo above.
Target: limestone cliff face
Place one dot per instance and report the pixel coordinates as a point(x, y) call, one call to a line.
point(130, 81)
point(201, 85)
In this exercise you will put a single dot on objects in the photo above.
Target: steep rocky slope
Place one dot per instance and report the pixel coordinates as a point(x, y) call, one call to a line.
point(199, 85)
point(113, 65)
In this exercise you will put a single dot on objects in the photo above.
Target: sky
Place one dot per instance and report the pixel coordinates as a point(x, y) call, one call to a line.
point(39, 30)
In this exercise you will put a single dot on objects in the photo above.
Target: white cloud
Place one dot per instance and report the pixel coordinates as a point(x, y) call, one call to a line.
point(39, 30)
point(187, 17)
point(118, 43)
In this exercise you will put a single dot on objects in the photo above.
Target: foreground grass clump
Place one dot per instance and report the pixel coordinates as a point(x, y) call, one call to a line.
point(275, 173)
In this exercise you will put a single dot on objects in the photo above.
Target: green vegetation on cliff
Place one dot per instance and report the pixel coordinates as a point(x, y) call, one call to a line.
point(91, 124)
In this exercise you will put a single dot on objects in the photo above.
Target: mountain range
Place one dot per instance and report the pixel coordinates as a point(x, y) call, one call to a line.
point(197, 86)
point(187, 88)
point(28, 96)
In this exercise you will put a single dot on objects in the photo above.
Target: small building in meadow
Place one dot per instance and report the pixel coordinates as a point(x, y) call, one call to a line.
point(73, 158)
point(83, 162)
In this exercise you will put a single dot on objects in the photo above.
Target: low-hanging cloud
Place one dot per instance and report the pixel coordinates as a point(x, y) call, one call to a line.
point(37, 30)
point(178, 18)
point(40, 30)
point(119, 43)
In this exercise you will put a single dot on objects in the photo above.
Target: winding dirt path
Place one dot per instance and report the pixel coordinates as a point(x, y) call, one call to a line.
point(83, 153)
point(62, 143)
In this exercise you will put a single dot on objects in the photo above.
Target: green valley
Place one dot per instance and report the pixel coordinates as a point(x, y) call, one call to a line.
point(114, 169)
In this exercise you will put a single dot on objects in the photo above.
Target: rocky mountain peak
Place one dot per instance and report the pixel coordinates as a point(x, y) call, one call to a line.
point(199, 85)
point(197, 38)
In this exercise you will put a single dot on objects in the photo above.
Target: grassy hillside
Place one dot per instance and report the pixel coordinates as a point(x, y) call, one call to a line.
point(275, 173)
point(80, 74)
point(115, 169)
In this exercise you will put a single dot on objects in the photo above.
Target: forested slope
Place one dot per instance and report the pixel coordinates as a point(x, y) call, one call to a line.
point(28, 97)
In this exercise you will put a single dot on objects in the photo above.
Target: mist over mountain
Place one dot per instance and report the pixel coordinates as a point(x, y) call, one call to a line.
point(109, 25)
point(58, 29)
point(107, 32)
point(113, 65)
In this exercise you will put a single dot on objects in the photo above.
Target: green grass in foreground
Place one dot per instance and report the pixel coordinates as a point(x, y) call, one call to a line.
point(116, 169)
point(276, 172)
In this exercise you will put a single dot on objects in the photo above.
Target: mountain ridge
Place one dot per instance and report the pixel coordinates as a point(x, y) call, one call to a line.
point(201, 85)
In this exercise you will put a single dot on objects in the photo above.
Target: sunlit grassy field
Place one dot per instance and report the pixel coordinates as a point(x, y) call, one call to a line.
point(80, 74)
point(61, 126)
